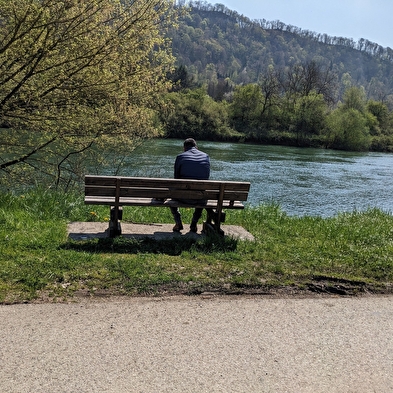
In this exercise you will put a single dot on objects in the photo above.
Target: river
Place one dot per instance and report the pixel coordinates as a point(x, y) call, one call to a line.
point(313, 182)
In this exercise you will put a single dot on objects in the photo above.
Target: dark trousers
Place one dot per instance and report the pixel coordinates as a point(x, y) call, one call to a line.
point(195, 217)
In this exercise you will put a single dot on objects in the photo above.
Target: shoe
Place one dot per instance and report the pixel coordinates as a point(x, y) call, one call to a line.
point(193, 227)
point(177, 227)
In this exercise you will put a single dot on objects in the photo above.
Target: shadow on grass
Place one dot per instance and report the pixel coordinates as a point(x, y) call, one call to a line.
point(175, 246)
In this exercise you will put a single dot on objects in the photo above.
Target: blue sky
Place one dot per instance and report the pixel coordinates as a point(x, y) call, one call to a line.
point(369, 19)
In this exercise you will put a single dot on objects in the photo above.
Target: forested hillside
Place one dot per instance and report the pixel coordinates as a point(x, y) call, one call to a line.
point(215, 43)
point(267, 82)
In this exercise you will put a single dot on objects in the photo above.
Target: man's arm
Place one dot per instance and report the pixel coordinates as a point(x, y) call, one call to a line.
point(176, 174)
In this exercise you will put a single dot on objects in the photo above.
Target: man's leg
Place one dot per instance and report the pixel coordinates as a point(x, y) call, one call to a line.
point(177, 217)
point(195, 218)
point(210, 216)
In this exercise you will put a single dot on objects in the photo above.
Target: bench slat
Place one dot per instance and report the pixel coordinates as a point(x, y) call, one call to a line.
point(148, 202)
point(165, 193)
point(110, 181)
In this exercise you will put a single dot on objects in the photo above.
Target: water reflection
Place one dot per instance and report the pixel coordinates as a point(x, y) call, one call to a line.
point(302, 181)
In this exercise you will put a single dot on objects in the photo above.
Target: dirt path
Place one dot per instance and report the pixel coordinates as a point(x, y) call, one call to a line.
point(199, 344)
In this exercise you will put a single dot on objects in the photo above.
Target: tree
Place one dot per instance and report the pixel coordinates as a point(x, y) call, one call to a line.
point(194, 113)
point(76, 74)
point(349, 125)
point(300, 80)
point(269, 85)
point(348, 130)
point(381, 113)
point(246, 108)
point(310, 115)
point(181, 79)
point(355, 98)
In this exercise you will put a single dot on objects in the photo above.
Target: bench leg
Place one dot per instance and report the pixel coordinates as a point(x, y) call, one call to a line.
point(116, 214)
point(212, 223)
point(114, 229)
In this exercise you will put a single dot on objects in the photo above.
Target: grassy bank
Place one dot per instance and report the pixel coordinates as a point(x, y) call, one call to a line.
point(346, 254)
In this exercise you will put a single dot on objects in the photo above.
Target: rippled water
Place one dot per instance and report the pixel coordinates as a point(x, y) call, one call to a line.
point(302, 181)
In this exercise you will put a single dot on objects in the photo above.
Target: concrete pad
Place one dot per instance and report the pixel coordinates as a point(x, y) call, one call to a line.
point(90, 230)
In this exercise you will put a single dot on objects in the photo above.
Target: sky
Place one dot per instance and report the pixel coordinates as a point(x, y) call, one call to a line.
point(369, 19)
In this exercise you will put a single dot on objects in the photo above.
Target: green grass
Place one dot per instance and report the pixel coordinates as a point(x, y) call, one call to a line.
point(345, 254)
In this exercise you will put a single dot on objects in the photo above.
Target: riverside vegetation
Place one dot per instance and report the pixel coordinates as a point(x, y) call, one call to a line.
point(346, 254)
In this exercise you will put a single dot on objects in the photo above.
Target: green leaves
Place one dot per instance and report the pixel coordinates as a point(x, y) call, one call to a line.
point(349, 124)
point(76, 72)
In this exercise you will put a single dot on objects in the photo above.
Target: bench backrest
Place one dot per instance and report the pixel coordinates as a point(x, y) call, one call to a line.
point(142, 187)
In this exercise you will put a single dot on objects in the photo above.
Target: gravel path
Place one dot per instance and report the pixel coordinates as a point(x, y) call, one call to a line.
point(199, 344)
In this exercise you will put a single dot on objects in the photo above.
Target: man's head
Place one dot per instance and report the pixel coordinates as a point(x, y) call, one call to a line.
point(189, 143)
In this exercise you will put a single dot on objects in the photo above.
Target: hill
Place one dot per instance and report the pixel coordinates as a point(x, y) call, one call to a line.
point(217, 44)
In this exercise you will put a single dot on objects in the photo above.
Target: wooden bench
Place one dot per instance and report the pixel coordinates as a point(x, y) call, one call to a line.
point(118, 191)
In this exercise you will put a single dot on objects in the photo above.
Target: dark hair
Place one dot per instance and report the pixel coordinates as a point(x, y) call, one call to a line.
point(189, 143)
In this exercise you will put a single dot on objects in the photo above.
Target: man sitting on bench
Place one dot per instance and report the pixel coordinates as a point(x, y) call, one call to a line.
point(191, 164)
